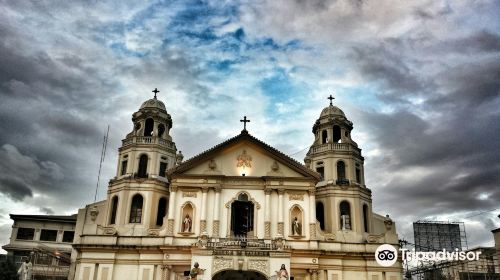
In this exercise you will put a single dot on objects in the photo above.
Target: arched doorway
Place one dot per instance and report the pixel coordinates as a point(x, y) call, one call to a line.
point(242, 214)
point(238, 275)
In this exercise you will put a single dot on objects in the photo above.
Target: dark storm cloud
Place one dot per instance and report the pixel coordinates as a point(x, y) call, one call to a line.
point(14, 188)
point(438, 154)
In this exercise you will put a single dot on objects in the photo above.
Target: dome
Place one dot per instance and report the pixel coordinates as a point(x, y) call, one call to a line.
point(153, 103)
point(331, 111)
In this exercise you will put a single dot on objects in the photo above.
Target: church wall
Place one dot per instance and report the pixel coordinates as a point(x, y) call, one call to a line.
point(226, 163)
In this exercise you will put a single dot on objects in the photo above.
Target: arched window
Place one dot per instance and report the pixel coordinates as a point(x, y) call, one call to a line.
point(337, 136)
point(320, 215)
point(365, 217)
point(148, 128)
point(136, 209)
point(345, 215)
point(114, 208)
point(324, 137)
point(161, 130)
point(340, 171)
point(162, 211)
point(243, 197)
point(142, 172)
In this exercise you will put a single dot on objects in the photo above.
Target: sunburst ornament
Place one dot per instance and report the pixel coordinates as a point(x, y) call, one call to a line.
point(244, 160)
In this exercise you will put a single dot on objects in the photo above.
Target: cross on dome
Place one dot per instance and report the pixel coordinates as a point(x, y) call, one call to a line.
point(331, 99)
point(155, 92)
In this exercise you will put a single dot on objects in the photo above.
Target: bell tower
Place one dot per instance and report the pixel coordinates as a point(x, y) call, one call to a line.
point(343, 203)
point(140, 183)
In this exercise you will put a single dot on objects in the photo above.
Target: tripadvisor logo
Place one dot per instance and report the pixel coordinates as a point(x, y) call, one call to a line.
point(386, 255)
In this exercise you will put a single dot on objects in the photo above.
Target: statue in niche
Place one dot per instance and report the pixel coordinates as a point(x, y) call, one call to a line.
point(283, 273)
point(296, 227)
point(346, 222)
point(187, 224)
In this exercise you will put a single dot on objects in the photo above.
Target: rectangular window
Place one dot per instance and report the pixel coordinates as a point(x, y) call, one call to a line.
point(25, 233)
point(163, 168)
point(321, 171)
point(358, 175)
point(48, 235)
point(68, 236)
point(124, 167)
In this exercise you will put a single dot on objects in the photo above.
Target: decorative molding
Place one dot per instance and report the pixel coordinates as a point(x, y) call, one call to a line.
point(107, 230)
point(203, 225)
point(204, 189)
point(374, 238)
point(267, 230)
point(281, 191)
point(235, 198)
point(215, 228)
point(218, 189)
point(188, 194)
point(312, 231)
point(153, 232)
point(261, 266)
point(281, 227)
point(173, 188)
point(312, 191)
point(93, 213)
point(268, 191)
point(170, 227)
point(275, 166)
point(296, 197)
point(330, 236)
point(244, 160)
point(221, 264)
point(212, 165)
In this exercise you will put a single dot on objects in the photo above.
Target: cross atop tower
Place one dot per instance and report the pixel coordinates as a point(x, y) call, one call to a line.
point(244, 121)
point(156, 91)
point(331, 99)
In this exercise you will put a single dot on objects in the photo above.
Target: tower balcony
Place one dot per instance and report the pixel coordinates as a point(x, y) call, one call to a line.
point(347, 147)
point(148, 140)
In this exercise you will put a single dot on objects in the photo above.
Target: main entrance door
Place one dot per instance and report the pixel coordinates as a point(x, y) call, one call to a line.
point(238, 275)
point(242, 216)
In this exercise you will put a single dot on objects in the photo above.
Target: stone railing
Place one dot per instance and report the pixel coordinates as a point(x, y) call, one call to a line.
point(147, 140)
point(242, 243)
point(334, 147)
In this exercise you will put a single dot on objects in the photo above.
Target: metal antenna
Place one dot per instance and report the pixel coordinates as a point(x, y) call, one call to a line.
point(103, 155)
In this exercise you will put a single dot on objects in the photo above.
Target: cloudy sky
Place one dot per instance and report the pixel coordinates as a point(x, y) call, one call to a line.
point(419, 79)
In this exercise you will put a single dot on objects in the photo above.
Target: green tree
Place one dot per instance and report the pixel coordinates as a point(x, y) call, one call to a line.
point(8, 271)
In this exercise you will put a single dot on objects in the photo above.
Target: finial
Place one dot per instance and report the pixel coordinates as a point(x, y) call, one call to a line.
point(244, 121)
point(156, 91)
point(331, 99)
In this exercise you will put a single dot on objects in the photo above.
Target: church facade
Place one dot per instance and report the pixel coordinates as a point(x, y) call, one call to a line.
point(240, 210)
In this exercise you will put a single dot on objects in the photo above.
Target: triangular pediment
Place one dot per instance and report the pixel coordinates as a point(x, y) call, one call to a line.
point(243, 154)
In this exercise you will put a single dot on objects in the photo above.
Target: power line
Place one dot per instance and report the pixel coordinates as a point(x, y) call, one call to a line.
point(103, 155)
point(480, 213)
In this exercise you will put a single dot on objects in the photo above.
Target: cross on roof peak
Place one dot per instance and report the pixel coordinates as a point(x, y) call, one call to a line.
point(244, 121)
point(331, 99)
point(155, 92)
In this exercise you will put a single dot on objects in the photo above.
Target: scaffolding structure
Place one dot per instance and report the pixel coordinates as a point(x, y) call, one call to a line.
point(48, 263)
point(438, 235)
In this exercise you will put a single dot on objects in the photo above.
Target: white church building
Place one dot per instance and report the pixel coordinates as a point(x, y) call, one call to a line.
point(241, 210)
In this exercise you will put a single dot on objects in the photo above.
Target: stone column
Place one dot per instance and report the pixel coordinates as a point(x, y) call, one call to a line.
point(171, 210)
point(281, 206)
point(165, 275)
point(267, 214)
point(203, 222)
point(216, 223)
point(312, 214)
point(314, 274)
